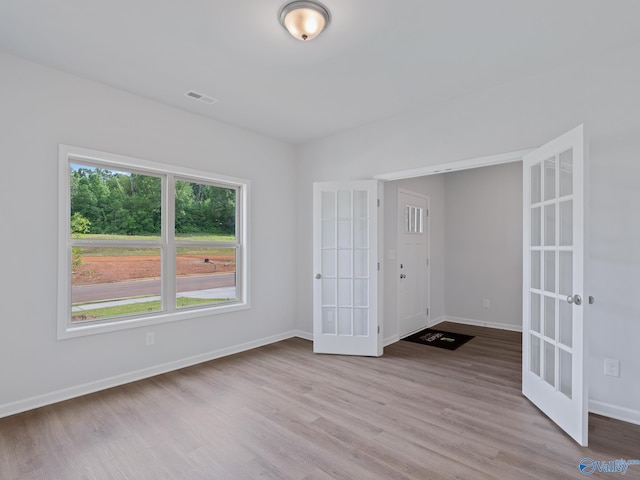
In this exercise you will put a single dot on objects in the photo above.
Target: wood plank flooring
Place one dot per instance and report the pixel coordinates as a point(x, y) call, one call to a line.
point(281, 412)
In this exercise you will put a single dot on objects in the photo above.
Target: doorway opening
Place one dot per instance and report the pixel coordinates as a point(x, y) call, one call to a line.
point(473, 265)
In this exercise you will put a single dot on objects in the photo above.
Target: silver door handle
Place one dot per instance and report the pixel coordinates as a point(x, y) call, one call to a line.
point(318, 276)
point(577, 299)
point(592, 300)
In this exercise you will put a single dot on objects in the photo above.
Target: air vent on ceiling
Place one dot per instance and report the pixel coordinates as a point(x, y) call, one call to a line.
point(200, 97)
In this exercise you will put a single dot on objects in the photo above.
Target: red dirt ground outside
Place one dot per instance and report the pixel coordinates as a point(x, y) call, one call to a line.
point(117, 269)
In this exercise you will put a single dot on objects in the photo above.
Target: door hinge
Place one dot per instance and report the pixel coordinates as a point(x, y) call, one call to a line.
point(378, 329)
point(427, 212)
point(427, 262)
point(427, 312)
point(378, 266)
point(378, 202)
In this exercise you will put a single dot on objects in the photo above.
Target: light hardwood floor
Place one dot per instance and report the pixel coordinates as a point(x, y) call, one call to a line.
point(281, 412)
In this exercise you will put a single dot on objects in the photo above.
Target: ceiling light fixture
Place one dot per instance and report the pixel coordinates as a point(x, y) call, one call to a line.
point(304, 20)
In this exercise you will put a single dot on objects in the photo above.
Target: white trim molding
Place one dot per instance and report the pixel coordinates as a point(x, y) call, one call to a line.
point(486, 161)
point(481, 323)
point(390, 340)
point(304, 335)
point(613, 411)
point(105, 383)
point(165, 244)
point(395, 338)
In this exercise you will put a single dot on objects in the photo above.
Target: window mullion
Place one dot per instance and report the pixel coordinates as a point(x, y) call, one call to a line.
point(169, 277)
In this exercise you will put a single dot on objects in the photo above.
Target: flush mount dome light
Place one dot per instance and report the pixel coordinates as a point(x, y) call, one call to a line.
point(304, 20)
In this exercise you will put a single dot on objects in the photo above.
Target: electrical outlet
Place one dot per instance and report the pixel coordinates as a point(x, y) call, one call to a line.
point(612, 367)
point(151, 338)
point(485, 303)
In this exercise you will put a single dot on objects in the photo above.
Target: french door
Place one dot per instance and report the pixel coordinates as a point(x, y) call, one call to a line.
point(554, 330)
point(345, 262)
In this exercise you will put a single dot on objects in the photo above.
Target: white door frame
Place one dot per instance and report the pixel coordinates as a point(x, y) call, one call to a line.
point(468, 164)
point(399, 240)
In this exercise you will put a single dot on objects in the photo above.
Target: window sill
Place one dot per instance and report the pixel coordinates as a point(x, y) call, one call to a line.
point(83, 329)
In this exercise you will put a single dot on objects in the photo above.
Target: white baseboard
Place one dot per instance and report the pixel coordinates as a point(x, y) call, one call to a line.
point(91, 387)
point(389, 340)
point(303, 335)
point(599, 408)
point(613, 411)
point(394, 338)
point(436, 321)
point(309, 336)
point(385, 342)
point(480, 323)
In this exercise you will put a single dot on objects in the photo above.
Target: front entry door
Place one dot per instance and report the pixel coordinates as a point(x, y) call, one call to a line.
point(413, 287)
point(554, 327)
point(345, 262)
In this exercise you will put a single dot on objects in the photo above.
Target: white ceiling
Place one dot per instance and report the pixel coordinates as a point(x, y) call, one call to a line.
point(376, 59)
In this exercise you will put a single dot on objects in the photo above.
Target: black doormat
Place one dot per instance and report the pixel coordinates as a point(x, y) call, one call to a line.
point(439, 338)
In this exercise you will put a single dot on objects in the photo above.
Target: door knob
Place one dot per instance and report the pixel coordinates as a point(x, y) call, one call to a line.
point(402, 275)
point(577, 299)
point(592, 300)
point(318, 276)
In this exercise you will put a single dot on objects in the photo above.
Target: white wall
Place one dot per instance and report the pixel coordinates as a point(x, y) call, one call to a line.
point(601, 93)
point(483, 252)
point(433, 187)
point(42, 108)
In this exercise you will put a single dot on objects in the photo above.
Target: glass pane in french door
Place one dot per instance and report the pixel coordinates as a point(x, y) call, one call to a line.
point(551, 254)
point(345, 262)
point(535, 285)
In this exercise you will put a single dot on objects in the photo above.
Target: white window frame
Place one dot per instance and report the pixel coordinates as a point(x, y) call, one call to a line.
point(67, 155)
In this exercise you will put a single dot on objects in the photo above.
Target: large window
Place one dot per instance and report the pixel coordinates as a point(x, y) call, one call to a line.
point(143, 243)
